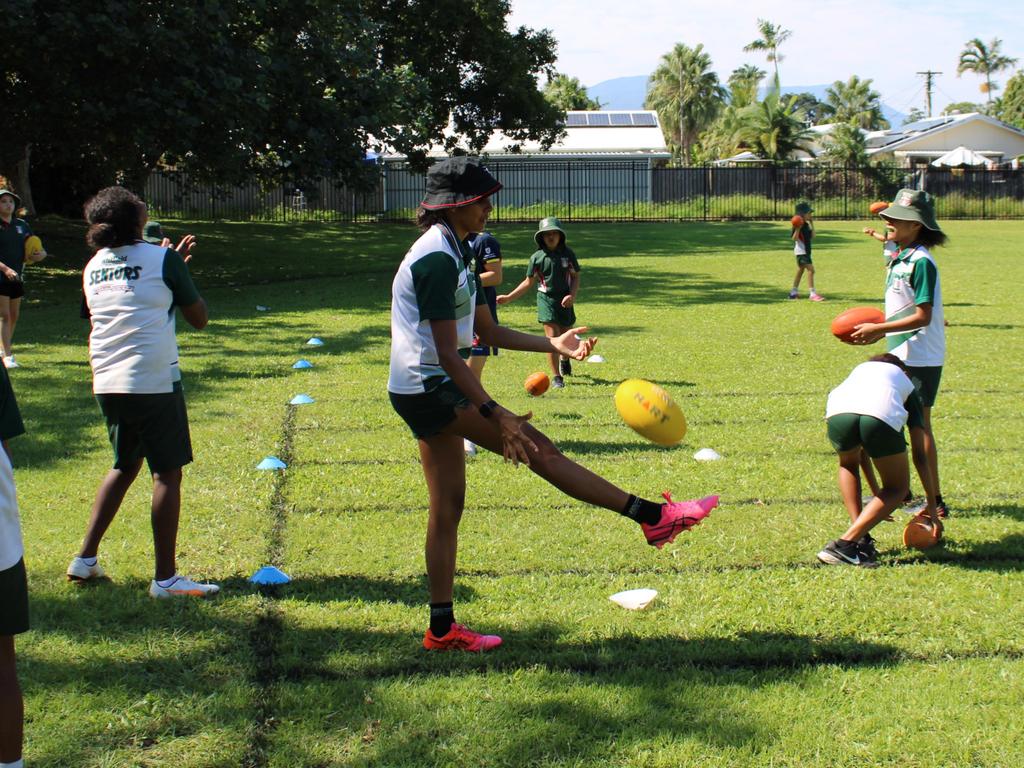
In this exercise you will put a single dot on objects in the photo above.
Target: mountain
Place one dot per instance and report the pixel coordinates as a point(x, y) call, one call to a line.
point(629, 92)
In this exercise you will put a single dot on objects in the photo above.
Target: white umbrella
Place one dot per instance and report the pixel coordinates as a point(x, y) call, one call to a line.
point(959, 157)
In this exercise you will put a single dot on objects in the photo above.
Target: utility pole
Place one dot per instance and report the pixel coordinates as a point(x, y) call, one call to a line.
point(928, 76)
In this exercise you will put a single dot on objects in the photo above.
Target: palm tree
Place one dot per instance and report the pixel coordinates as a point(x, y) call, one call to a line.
point(743, 84)
point(846, 145)
point(984, 60)
point(773, 128)
point(568, 93)
point(854, 101)
point(686, 95)
point(772, 36)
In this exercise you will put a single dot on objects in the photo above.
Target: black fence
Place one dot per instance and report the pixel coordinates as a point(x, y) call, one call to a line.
point(590, 190)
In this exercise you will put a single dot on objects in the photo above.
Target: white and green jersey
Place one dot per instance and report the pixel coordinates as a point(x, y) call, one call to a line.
point(873, 389)
point(435, 281)
point(913, 279)
point(130, 293)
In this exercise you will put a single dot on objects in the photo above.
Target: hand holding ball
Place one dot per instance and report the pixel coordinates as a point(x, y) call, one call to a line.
point(919, 532)
point(797, 222)
point(846, 322)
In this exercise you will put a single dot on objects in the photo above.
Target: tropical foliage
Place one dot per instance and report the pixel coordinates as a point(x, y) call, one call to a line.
point(984, 60)
point(568, 93)
point(846, 145)
point(772, 36)
point(773, 128)
point(687, 96)
point(854, 102)
point(1011, 106)
point(743, 84)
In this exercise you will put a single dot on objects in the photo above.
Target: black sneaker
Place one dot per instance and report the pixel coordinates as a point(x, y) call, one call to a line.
point(866, 546)
point(565, 366)
point(942, 509)
point(841, 552)
point(908, 499)
point(557, 383)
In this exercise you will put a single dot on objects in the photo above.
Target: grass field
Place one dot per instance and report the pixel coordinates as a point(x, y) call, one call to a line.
point(752, 654)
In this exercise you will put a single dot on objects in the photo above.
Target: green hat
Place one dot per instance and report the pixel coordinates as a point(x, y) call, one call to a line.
point(913, 205)
point(153, 232)
point(550, 224)
point(803, 208)
point(17, 200)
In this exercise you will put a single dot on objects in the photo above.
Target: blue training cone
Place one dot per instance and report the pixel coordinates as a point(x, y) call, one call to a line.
point(315, 342)
point(271, 462)
point(268, 574)
point(303, 364)
point(301, 400)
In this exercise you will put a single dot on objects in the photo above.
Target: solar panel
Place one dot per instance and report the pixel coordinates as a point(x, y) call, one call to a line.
point(644, 119)
point(575, 119)
point(598, 118)
point(621, 118)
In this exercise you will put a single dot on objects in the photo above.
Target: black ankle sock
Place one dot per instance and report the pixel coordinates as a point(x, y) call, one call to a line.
point(442, 616)
point(938, 498)
point(642, 510)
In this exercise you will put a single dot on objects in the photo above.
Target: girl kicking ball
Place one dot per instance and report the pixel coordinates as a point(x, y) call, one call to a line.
point(436, 303)
point(869, 411)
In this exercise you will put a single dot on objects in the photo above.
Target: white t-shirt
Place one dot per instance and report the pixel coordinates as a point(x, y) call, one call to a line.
point(130, 292)
point(873, 389)
point(435, 281)
point(11, 547)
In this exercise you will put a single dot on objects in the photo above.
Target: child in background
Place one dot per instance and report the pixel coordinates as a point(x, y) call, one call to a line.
point(13, 234)
point(914, 326)
point(487, 260)
point(13, 585)
point(803, 232)
point(867, 412)
point(557, 271)
point(889, 246)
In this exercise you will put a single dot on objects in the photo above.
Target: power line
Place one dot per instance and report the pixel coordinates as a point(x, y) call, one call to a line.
point(928, 76)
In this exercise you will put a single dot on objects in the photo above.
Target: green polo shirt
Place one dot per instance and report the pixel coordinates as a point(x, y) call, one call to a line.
point(12, 244)
point(553, 271)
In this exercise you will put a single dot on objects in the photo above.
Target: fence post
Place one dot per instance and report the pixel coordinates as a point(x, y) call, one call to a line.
point(984, 193)
point(706, 178)
point(568, 184)
point(632, 185)
point(846, 191)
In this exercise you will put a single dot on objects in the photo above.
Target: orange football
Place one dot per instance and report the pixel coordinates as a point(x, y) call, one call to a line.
point(878, 207)
point(845, 323)
point(537, 383)
point(797, 221)
point(918, 532)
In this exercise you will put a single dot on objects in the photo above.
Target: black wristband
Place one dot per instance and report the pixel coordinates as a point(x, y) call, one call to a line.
point(488, 408)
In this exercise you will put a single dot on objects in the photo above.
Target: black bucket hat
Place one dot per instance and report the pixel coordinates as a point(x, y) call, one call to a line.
point(803, 208)
point(457, 181)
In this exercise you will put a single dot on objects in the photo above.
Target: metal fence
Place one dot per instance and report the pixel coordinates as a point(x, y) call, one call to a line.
point(588, 190)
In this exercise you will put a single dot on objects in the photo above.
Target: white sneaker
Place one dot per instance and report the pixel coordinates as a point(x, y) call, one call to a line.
point(10, 362)
point(182, 587)
point(469, 446)
point(79, 570)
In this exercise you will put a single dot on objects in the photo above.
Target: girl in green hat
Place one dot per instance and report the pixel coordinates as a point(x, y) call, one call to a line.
point(13, 234)
point(557, 271)
point(914, 327)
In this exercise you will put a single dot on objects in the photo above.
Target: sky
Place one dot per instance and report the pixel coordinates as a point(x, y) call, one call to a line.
point(832, 39)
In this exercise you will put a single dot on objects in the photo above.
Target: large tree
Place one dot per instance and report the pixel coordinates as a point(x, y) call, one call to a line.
point(568, 93)
point(1011, 106)
point(985, 60)
point(854, 102)
point(772, 36)
point(686, 95)
point(230, 89)
point(846, 145)
point(774, 128)
point(743, 84)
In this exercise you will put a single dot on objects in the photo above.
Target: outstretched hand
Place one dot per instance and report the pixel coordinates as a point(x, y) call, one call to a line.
point(503, 298)
point(185, 247)
point(570, 345)
point(516, 446)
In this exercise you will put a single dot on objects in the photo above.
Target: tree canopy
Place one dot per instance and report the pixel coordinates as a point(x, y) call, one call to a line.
point(229, 89)
point(774, 128)
point(854, 102)
point(984, 59)
point(569, 93)
point(772, 36)
point(1011, 106)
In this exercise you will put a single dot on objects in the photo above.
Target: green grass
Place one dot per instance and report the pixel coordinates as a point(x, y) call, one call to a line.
point(751, 655)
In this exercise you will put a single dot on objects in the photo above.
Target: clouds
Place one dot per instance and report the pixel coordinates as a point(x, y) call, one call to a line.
point(832, 39)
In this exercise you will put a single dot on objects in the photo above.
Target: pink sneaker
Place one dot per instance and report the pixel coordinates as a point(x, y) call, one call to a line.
point(816, 297)
point(676, 517)
point(460, 638)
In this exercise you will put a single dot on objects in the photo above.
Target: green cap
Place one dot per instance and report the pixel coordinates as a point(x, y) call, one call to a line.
point(913, 205)
point(803, 208)
point(550, 224)
point(17, 200)
point(153, 232)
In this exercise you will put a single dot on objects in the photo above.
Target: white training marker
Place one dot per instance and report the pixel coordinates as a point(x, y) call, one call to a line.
point(595, 359)
point(634, 599)
point(301, 400)
point(261, 308)
point(707, 454)
point(315, 342)
point(302, 364)
point(271, 462)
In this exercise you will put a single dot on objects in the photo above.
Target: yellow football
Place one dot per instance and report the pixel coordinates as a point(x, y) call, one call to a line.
point(33, 245)
point(649, 410)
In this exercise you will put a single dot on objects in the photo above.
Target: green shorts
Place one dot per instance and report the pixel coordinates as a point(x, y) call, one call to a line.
point(847, 431)
point(14, 600)
point(550, 310)
point(926, 380)
point(803, 259)
point(154, 427)
point(428, 413)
